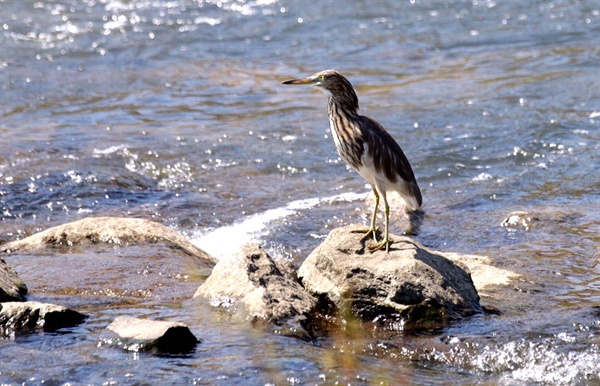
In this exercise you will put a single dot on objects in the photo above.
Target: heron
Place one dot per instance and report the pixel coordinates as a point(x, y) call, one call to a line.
point(369, 149)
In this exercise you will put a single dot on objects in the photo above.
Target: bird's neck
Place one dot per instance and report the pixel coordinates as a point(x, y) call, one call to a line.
point(345, 130)
point(343, 105)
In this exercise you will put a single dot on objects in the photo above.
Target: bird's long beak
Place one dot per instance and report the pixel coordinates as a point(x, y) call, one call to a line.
point(298, 81)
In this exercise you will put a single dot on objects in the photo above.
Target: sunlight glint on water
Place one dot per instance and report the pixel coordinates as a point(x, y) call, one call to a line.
point(173, 111)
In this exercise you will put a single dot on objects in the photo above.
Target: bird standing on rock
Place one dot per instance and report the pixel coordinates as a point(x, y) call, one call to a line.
point(366, 146)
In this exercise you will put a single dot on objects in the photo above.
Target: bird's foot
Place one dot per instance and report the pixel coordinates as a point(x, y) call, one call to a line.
point(384, 244)
point(368, 233)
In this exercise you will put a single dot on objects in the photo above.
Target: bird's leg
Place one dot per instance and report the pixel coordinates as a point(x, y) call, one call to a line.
point(385, 243)
point(372, 230)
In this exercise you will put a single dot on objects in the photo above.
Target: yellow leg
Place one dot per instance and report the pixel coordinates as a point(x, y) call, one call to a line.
point(373, 229)
point(385, 243)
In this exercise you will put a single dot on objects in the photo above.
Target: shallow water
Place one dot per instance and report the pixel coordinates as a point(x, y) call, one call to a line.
point(173, 111)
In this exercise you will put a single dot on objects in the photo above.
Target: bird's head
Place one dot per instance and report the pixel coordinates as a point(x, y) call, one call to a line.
point(332, 83)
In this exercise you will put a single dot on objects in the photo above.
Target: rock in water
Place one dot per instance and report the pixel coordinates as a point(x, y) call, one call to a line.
point(423, 288)
point(27, 316)
point(267, 289)
point(146, 335)
point(12, 287)
point(112, 230)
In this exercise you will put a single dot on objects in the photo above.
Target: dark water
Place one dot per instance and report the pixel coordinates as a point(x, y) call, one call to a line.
point(173, 111)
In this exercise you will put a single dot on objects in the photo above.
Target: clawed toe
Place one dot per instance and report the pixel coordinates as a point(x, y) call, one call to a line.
point(368, 233)
point(385, 244)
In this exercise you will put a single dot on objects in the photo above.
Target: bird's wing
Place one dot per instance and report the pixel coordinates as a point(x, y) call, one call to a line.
point(387, 156)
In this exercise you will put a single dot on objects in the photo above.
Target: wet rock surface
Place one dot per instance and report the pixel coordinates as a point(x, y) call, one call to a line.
point(267, 289)
point(12, 288)
point(422, 287)
point(136, 334)
point(114, 230)
point(22, 317)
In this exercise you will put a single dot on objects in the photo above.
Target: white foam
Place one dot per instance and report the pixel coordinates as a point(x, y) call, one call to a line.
point(482, 177)
point(227, 240)
point(110, 150)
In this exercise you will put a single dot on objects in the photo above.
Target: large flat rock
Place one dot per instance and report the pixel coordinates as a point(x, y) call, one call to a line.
point(411, 282)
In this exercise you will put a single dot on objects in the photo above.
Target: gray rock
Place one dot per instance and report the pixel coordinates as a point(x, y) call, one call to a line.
point(11, 286)
point(150, 335)
point(120, 231)
point(266, 289)
point(483, 273)
point(27, 316)
point(421, 287)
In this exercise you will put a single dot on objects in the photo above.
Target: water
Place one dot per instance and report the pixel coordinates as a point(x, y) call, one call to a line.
point(173, 111)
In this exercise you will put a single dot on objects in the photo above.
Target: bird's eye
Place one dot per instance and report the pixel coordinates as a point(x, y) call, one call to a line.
point(321, 78)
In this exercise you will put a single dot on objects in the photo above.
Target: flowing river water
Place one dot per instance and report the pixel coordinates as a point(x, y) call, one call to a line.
point(172, 110)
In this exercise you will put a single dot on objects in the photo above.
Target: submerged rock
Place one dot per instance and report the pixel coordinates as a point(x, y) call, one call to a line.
point(541, 216)
point(518, 219)
point(421, 287)
point(12, 288)
point(267, 289)
point(28, 316)
point(147, 335)
point(114, 230)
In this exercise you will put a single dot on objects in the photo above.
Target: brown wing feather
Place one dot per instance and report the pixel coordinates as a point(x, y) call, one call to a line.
point(388, 157)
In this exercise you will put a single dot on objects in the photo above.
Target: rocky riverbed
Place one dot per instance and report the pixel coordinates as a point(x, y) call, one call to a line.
point(411, 286)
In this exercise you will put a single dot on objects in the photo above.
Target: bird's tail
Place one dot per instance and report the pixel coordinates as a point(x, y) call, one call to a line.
point(413, 198)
